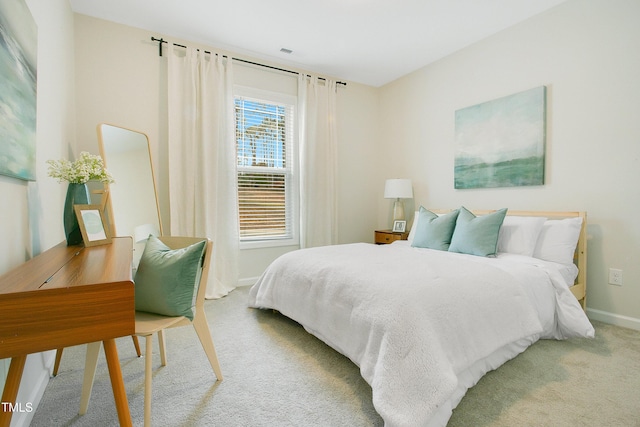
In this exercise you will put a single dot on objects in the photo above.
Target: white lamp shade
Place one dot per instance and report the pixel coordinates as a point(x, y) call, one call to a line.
point(398, 189)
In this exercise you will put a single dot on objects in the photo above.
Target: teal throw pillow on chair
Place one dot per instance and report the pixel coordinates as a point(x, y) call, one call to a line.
point(477, 235)
point(433, 231)
point(167, 279)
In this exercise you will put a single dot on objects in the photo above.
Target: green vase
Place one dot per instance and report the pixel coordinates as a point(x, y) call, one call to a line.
point(77, 194)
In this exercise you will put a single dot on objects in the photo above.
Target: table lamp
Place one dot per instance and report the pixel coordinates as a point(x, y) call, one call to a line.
point(398, 189)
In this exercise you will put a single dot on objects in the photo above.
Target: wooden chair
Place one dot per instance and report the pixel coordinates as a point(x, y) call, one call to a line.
point(56, 364)
point(147, 324)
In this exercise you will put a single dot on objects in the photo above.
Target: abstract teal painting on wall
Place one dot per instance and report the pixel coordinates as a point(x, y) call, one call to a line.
point(501, 143)
point(18, 57)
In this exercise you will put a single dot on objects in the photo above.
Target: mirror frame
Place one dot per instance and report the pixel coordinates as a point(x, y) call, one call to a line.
point(109, 207)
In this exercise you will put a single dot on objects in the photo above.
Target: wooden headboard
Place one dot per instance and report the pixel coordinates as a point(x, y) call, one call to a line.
point(579, 289)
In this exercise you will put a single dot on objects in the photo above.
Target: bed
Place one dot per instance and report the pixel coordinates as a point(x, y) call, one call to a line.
point(424, 324)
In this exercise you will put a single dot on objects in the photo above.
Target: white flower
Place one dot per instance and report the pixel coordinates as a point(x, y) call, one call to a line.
point(87, 168)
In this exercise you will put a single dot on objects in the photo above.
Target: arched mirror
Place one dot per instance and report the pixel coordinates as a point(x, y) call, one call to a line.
point(132, 204)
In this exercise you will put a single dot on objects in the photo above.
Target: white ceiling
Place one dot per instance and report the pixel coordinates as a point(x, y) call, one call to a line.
point(366, 41)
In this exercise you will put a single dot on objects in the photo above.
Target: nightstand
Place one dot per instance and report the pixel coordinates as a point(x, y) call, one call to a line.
point(387, 236)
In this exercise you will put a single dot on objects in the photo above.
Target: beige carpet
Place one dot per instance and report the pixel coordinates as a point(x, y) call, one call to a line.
point(276, 374)
point(579, 382)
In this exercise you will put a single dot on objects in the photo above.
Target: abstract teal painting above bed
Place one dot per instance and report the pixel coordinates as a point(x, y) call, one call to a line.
point(501, 143)
point(18, 57)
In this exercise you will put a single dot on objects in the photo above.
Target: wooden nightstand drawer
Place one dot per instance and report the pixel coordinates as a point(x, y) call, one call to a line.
point(384, 237)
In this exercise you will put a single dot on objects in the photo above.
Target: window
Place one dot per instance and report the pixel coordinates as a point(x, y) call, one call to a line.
point(267, 183)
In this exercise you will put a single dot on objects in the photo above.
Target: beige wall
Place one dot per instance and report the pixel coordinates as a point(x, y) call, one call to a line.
point(31, 214)
point(120, 79)
point(587, 53)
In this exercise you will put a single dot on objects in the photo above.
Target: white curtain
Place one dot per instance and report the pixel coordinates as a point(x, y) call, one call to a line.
point(202, 161)
point(318, 162)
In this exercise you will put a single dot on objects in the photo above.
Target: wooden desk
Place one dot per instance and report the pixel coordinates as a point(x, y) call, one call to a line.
point(66, 296)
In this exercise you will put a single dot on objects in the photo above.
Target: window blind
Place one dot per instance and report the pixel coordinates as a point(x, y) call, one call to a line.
point(264, 145)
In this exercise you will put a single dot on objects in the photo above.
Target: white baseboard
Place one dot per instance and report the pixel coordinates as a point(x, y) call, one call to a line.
point(248, 281)
point(614, 319)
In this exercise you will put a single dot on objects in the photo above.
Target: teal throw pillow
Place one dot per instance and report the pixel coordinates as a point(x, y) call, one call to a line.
point(477, 235)
point(433, 231)
point(167, 279)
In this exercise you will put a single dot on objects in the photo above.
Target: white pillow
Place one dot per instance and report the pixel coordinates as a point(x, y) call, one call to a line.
point(519, 234)
point(414, 226)
point(558, 239)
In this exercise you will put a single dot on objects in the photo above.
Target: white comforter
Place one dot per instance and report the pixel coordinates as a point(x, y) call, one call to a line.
point(422, 325)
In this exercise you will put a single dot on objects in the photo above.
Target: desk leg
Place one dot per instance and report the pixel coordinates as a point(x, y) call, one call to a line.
point(11, 386)
point(117, 384)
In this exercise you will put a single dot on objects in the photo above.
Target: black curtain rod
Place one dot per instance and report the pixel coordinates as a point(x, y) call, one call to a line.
point(161, 41)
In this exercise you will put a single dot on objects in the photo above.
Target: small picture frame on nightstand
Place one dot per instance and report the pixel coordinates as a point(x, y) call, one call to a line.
point(399, 226)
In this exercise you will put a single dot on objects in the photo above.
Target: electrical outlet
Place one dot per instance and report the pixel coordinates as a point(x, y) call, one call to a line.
point(615, 276)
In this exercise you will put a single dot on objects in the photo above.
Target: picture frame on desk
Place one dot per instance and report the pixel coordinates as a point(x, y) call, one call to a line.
point(92, 225)
point(399, 226)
